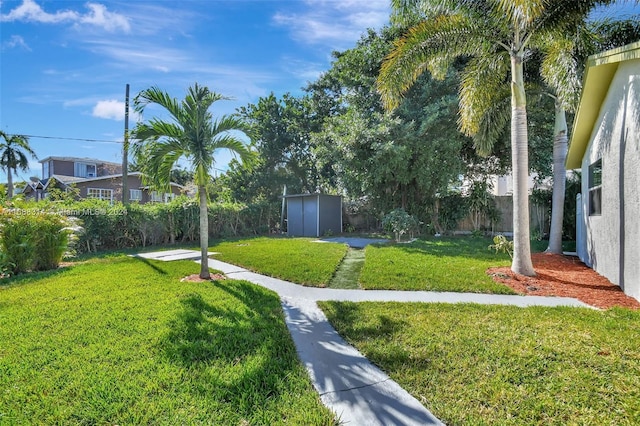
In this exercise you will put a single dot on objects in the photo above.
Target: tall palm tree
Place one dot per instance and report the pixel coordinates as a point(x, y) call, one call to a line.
point(491, 33)
point(191, 133)
point(14, 150)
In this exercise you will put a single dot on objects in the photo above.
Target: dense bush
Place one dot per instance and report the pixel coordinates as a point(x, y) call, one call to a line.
point(399, 222)
point(32, 240)
point(108, 226)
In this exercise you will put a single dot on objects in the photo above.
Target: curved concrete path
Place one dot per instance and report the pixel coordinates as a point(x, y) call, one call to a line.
point(349, 384)
point(356, 390)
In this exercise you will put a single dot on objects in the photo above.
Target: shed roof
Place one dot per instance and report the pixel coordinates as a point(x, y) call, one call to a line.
point(601, 69)
point(314, 194)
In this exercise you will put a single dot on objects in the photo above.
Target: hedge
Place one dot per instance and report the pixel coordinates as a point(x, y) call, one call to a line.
point(107, 226)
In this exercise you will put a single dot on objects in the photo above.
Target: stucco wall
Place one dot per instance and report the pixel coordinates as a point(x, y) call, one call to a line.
point(613, 238)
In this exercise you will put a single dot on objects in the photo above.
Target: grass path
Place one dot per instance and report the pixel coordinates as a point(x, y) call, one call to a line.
point(348, 272)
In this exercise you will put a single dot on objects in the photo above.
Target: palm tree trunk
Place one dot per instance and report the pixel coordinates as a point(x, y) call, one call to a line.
point(559, 176)
point(204, 233)
point(9, 183)
point(520, 164)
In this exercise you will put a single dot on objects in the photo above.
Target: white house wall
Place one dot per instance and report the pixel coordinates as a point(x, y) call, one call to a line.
point(613, 242)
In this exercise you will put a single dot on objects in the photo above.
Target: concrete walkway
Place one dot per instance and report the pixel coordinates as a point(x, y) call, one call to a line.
point(355, 389)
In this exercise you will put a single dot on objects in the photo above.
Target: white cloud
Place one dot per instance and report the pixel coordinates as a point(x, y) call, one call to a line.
point(15, 41)
point(139, 55)
point(98, 16)
point(335, 23)
point(30, 11)
point(113, 110)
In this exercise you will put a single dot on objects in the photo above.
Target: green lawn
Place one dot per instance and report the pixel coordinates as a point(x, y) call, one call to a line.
point(442, 264)
point(122, 341)
point(293, 259)
point(500, 365)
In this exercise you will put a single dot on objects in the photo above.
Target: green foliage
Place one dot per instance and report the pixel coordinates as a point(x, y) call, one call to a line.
point(541, 201)
point(106, 226)
point(33, 240)
point(53, 236)
point(503, 365)
point(572, 189)
point(123, 341)
point(17, 242)
point(280, 129)
point(398, 222)
point(450, 209)
point(502, 245)
point(481, 204)
point(14, 155)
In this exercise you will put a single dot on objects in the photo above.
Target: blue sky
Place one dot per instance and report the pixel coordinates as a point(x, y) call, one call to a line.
point(64, 64)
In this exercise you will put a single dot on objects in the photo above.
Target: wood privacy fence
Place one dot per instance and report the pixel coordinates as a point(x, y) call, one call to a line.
point(538, 218)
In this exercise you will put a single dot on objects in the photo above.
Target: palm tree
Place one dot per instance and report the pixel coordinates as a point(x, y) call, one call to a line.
point(491, 34)
point(13, 156)
point(192, 133)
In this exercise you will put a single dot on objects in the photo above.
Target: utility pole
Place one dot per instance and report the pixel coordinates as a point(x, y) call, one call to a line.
point(125, 151)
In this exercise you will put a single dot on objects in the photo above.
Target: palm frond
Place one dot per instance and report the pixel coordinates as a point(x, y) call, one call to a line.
point(494, 123)
point(559, 69)
point(192, 134)
point(430, 45)
point(14, 152)
point(154, 95)
point(483, 83)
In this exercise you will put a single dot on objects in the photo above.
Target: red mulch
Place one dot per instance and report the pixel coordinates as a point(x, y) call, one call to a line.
point(565, 276)
point(196, 278)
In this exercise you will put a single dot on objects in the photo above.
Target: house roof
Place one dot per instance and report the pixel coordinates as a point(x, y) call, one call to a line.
point(68, 180)
point(80, 160)
point(601, 69)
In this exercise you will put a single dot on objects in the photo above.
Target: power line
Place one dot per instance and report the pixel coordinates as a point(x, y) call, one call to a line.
point(70, 139)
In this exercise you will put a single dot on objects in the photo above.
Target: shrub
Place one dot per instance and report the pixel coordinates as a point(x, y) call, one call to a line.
point(17, 242)
point(51, 240)
point(502, 245)
point(399, 222)
point(33, 240)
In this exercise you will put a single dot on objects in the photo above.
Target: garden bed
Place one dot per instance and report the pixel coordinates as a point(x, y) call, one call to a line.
point(565, 276)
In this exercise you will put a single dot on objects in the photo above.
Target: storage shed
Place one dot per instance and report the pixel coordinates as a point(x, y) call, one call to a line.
point(313, 215)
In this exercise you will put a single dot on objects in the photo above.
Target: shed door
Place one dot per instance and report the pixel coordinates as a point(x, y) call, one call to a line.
point(310, 219)
point(295, 225)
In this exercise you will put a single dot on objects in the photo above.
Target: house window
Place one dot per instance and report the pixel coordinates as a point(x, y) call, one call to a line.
point(84, 170)
point(46, 170)
point(595, 188)
point(135, 194)
point(168, 196)
point(101, 194)
point(156, 197)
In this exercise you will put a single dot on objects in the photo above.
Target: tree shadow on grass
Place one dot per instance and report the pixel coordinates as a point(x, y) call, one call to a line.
point(152, 265)
point(236, 349)
point(30, 277)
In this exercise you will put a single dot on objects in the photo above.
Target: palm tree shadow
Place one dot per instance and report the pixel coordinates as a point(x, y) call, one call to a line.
point(151, 265)
point(238, 350)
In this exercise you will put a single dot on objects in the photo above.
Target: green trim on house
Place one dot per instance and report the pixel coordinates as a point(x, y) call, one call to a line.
point(601, 69)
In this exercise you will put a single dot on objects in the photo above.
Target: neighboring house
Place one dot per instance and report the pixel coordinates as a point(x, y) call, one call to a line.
point(93, 179)
point(606, 146)
point(503, 185)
